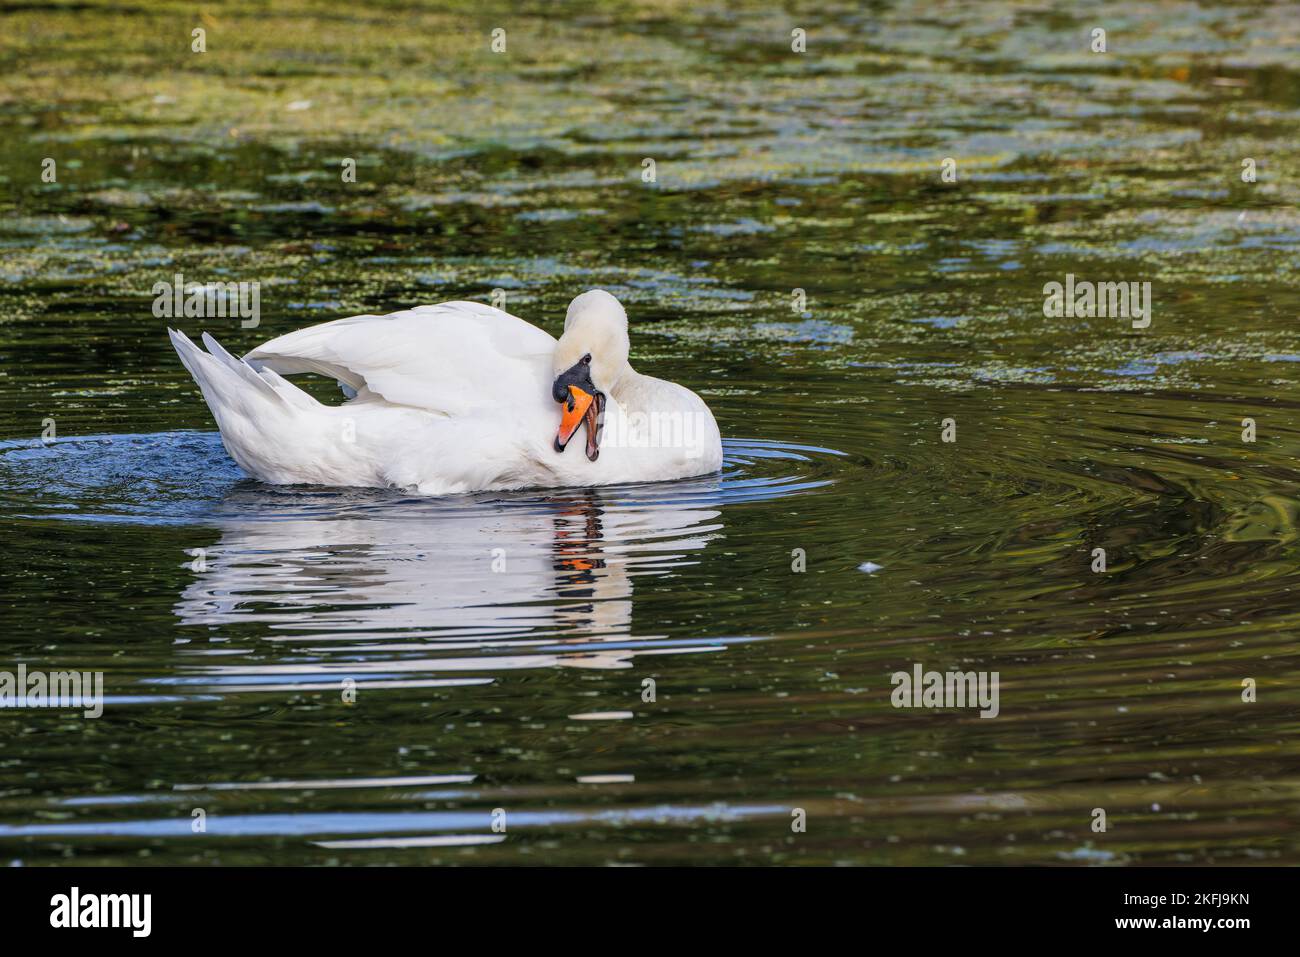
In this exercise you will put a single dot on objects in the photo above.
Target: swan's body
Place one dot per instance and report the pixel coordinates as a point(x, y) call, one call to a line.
point(456, 397)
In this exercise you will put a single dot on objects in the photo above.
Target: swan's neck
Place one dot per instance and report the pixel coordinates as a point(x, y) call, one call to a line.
point(635, 392)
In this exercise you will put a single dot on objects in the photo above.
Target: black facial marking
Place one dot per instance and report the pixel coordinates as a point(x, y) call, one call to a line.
point(578, 374)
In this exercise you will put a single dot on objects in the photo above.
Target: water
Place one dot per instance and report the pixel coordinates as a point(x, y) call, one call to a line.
point(228, 617)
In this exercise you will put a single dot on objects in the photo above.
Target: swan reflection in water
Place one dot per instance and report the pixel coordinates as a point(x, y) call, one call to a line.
point(391, 592)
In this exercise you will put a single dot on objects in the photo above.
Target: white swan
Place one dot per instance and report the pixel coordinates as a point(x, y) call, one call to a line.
point(457, 397)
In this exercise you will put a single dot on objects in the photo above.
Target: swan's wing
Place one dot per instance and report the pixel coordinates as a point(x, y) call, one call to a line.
point(454, 358)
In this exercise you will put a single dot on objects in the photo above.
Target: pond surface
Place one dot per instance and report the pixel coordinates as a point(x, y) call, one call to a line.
point(679, 672)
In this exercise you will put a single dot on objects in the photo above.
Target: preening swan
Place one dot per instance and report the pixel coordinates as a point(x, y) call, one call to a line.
point(457, 397)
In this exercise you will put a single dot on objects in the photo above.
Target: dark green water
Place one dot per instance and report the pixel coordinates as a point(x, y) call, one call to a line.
point(522, 690)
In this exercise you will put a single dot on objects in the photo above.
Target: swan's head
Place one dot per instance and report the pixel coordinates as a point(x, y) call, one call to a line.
point(590, 358)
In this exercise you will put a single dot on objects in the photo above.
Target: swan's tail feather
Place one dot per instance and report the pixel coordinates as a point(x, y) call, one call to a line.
point(230, 382)
point(241, 369)
point(262, 379)
point(186, 350)
point(287, 391)
point(260, 415)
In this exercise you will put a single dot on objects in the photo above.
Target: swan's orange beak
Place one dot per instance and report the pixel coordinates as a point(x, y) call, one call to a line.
point(581, 403)
point(575, 409)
